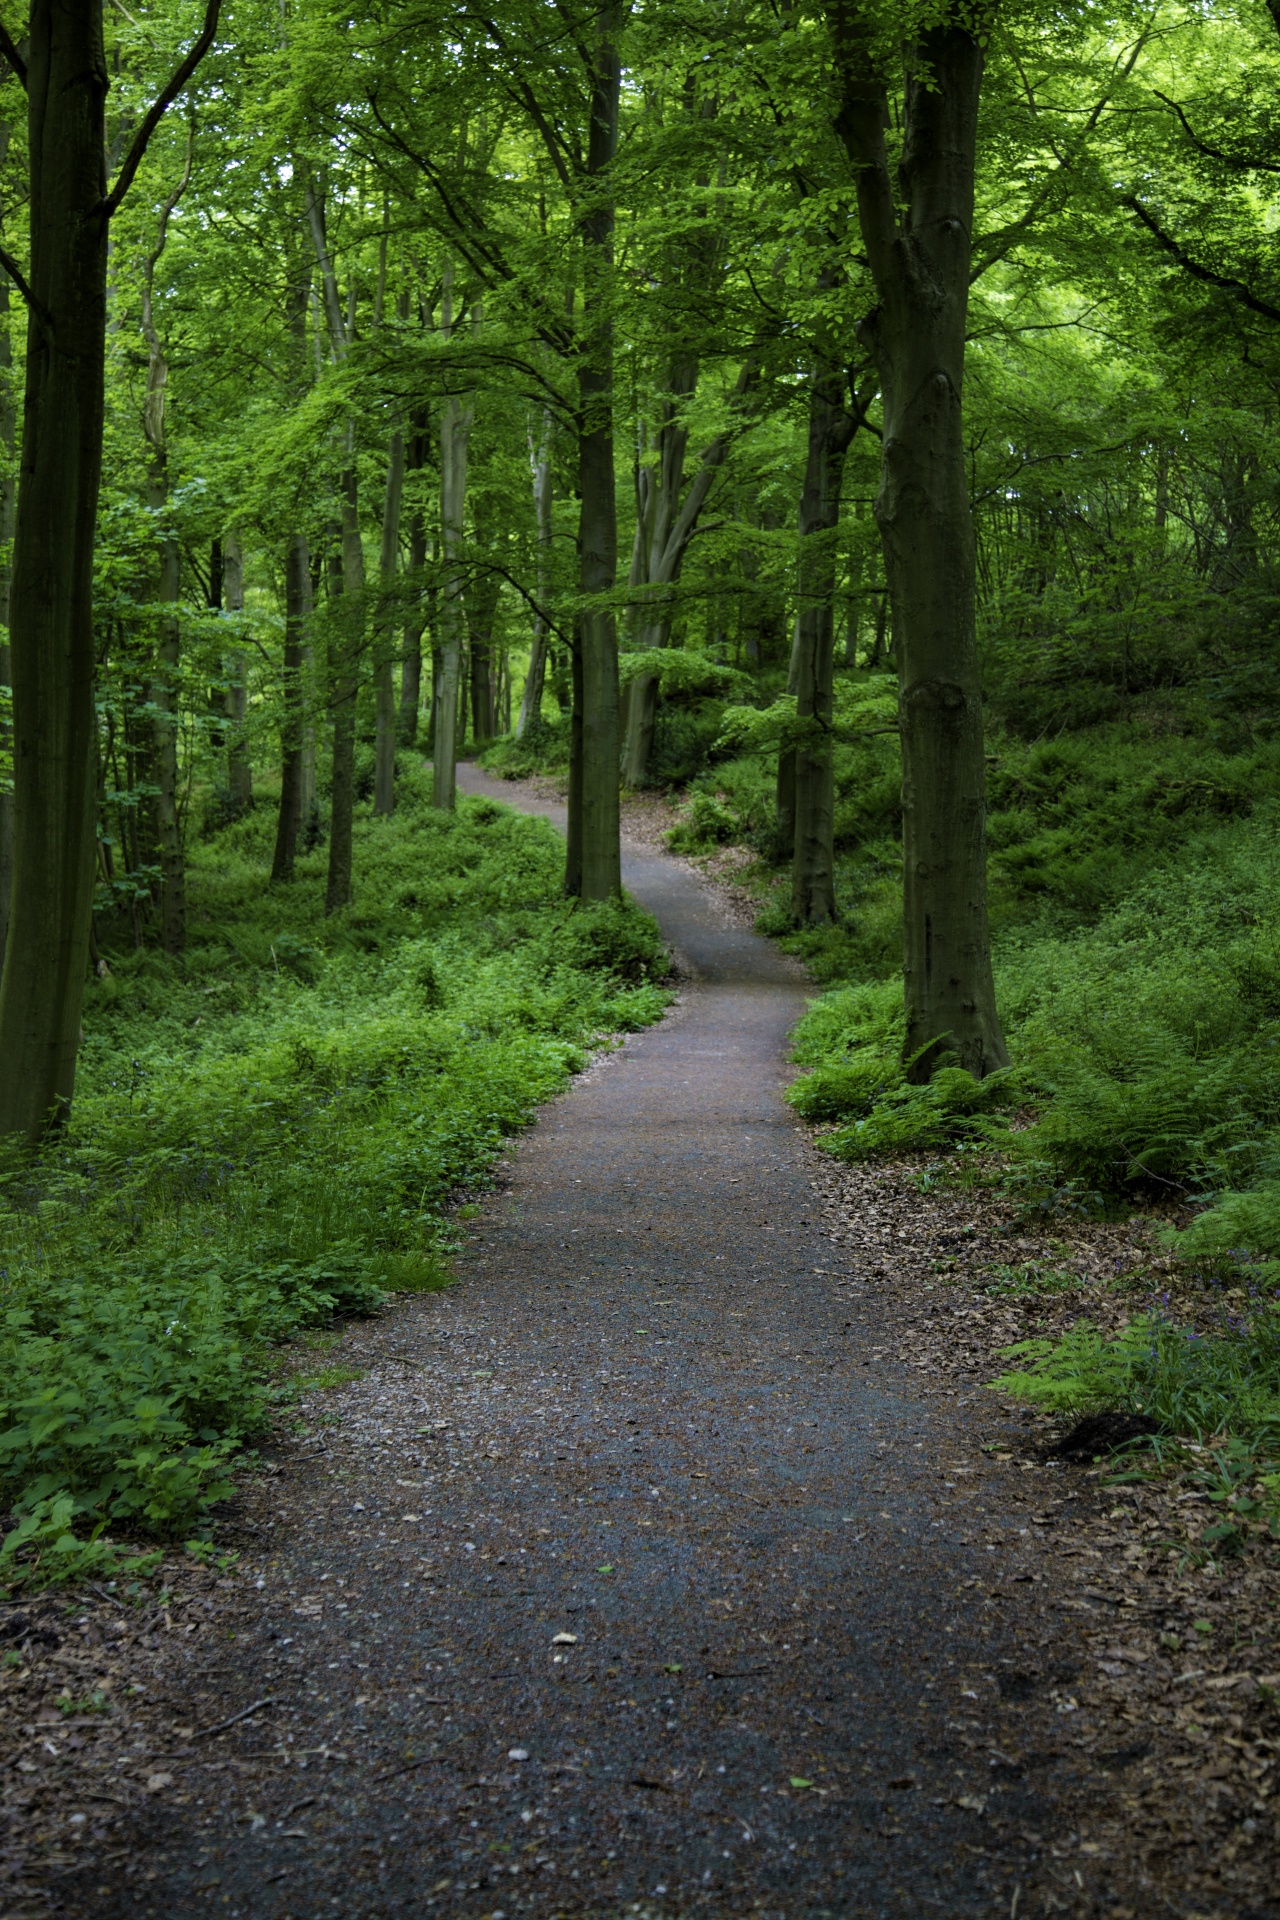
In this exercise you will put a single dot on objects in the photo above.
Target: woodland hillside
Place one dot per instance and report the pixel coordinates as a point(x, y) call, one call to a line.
point(860, 422)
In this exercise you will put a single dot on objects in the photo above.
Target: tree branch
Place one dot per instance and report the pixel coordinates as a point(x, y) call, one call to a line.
point(156, 113)
point(1223, 280)
point(18, 278)
point(1215, 153)
point(9, 49)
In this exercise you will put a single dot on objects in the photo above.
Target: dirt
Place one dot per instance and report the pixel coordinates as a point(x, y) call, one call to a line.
point(677, 1561)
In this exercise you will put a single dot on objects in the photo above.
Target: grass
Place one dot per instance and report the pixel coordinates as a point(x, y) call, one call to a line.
point(268, 1133)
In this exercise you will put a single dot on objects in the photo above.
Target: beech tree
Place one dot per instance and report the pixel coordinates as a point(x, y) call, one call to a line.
point(51, 611)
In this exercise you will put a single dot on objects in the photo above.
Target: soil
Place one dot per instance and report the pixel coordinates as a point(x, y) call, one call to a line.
point(678, 1560)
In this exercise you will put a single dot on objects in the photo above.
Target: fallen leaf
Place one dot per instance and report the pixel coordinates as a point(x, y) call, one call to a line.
point(565, 1640)
point(517, 1753)
point(157, 1782)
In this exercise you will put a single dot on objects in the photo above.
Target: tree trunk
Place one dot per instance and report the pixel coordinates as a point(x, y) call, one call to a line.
point(384, 691)
point(297, 606)
point(51, 632)
point(456, 417)
point(164, 685)
point(831, 428)
point(535, 679)
point(346, 631)
point(8, 497)
point(920, 266)
point(482, 607)
point(239, 770)
point(415, 625)
point(594, 771)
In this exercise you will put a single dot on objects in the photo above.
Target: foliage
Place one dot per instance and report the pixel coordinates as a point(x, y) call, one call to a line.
point(268, 1132)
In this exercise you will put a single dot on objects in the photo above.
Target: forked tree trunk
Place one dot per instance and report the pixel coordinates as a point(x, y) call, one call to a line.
point(239, 769)
point(920, 266)
point(51, 630)
point(297, 606)
point(594, 867)
point(535, 679)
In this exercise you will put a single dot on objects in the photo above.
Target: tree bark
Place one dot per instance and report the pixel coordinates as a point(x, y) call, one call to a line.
point(920, 265)
point(239, 769)
point(482, 606)
point(51, 632)
point(595, 863)
point(535, 679)
point(297, 606)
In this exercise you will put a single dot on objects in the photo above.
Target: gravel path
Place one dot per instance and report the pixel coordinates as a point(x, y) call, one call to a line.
point(623, 1584)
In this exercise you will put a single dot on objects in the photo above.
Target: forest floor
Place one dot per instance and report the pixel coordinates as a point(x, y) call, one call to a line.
point(676, 1561)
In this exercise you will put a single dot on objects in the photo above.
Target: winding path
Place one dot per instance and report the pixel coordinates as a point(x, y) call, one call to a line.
point(617, 1590)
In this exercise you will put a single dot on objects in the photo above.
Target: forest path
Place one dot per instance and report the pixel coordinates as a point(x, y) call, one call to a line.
point(636, 1420)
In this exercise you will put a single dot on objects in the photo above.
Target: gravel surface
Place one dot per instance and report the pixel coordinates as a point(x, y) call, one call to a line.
point(657, 1568)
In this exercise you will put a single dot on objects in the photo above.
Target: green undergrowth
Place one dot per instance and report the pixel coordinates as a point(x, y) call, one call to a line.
point(1136, 906)
point(267, 1133)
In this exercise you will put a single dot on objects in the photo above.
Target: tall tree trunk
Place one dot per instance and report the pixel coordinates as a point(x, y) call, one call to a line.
point(239, 769)
point(456, 417)
point(482, 607)
point(346, 631)
point(384, 691)
point(51, 631)
point(297, 606)
point(415, 625)
point(595, 863)
point(920, 265)
point(535, 679)
point(831, 428)
point(164, 685)
point(8, 499)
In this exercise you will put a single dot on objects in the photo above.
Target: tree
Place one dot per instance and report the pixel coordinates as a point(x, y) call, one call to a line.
point(920, 262)
point(51, 610)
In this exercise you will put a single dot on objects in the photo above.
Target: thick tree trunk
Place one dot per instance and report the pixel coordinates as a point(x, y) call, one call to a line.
point(535, 679)
point(346, 631)
point(51, 631)
point(831, 428)
point(920, 265)
point(8, 500)
point(297, 606)
point(384, 691)
point(239, 770)
point(595, 866)
point(456, 417)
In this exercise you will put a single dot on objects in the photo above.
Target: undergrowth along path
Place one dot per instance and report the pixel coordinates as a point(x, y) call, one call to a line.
point(618, 1587)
